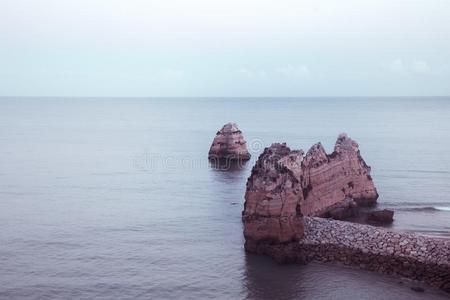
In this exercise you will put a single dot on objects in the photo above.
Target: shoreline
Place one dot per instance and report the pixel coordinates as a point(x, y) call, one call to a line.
point(404, 254)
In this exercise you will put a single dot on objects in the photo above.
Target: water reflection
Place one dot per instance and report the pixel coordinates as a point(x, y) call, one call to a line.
point(228, 165)
point(229, 177)
point(265, 279)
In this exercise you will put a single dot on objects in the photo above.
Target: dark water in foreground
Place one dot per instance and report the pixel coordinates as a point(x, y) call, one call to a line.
point(114, 198)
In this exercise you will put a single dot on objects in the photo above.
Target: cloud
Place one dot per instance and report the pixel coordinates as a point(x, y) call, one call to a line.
point(421, 67)
point(417, 67)
point(172, 74)
point(289, 71)
point(294, 71)
point(253, 74)
point(397, 67)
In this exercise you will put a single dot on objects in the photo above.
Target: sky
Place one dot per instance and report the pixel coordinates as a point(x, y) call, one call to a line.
point(224, 48)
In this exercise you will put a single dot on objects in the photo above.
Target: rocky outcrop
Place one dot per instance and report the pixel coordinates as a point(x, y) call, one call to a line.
point(229, 144)
point(272, 213)
point(286, 184)
point(329, 179)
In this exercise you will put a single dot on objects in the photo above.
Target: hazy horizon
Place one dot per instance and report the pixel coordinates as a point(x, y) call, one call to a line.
point(227, 97)
point(233, 48)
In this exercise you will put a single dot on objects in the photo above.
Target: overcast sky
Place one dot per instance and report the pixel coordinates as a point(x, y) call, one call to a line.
point(224, 47)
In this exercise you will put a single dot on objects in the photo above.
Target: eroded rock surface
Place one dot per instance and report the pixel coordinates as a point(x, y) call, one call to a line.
point(229, 143)
point(331, 178)
point(321, 181)
point(272, 213)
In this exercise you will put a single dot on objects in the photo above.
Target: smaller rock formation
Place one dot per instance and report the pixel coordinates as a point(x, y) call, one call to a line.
point(384, 216)
point(229, 144)
point(344, 210)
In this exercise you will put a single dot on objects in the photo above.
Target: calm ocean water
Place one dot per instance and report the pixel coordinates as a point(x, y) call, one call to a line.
point(114, 198)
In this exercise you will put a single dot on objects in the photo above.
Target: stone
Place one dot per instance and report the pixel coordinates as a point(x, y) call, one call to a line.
point(342, 210)
point(384, 216)
point(229, 144)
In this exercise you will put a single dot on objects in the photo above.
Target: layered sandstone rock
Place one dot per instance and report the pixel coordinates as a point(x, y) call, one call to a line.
point(229, 143)
point(329, 179)
point(272, 213)
point(285, 185)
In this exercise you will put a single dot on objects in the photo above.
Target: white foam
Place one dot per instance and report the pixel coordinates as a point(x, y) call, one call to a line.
point(444, 208)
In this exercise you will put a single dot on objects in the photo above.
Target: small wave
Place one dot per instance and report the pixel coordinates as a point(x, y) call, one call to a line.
point(415, 204)
point(427, 208)
point(417, 171)
point(444, 208)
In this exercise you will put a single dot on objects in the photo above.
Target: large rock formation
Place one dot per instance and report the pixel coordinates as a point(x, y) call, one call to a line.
point(272, 213)
point(285, 185)
point(329, 179)
point(229, 144)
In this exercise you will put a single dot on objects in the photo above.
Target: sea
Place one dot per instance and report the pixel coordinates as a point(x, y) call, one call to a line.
point(114, 198)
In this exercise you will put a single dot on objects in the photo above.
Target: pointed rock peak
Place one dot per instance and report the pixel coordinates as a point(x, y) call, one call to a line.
point(230, 128)
point(345, 144)
point(279, 149)
point(315, 149)
point(271, 155)
point(278, 156)
point(283, 154)
point(316, 155)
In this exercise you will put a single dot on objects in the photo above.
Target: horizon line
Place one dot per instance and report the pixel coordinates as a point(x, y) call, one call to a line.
point(226, 97)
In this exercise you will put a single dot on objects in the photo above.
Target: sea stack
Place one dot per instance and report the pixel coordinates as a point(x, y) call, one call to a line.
point(272, 211)
point(229, 144)
point(285, 185)
point(334, 179)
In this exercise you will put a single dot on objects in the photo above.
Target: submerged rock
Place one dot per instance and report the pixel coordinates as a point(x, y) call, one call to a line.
point(384, 216)
point(343, 210)
point(229, 144)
